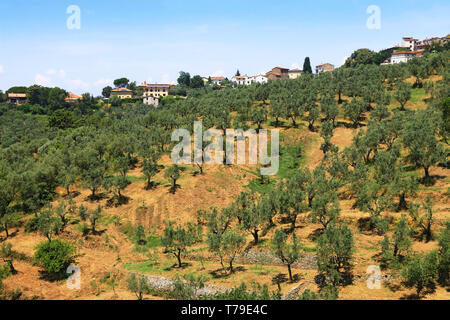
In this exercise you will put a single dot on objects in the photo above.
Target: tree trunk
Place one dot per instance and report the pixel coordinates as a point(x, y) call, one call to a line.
point(231, 266)
point(427, 172)
point(179, 258)
point(255, 236)
point(6, 229)
point(293, 221)
point(402, 205)
point(11, 267)
point(68, 190)
point(428, 232)
point(290, 273)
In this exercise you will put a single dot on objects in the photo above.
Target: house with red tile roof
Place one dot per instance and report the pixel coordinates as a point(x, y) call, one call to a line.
point(278, 73)
point(122, 93)
point(324, 67)
point(217, 80)
point(72, 98)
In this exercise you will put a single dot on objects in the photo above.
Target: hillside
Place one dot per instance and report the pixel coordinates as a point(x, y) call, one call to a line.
point(116, 249)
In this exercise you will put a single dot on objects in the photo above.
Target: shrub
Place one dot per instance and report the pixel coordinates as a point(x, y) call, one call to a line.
point(54, 256)
point(421, 272)
point(32, 225)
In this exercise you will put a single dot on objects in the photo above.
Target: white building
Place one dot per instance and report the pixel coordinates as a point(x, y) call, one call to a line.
point(402, 56)
point(259, 78)
point(248, 80)
point(409, 43)
point(240, 80)
point(151, 101)
point(217, 80)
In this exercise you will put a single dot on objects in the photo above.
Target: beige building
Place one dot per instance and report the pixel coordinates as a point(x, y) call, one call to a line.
point(295, 73)
point(156, 90)
point(122, 93)
point(17, 98)
point(324, 67)
point(278, 73)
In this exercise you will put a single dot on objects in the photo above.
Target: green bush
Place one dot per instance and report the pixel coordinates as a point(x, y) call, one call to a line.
point(32, 225)
point(54, 256)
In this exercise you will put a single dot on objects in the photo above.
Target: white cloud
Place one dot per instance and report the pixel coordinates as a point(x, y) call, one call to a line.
point(1, 69)
point(51, 72)
point(42, 80)
point(295, 65)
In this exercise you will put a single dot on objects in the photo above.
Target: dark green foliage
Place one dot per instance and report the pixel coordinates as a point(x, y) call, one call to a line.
point(7, 254)
point(54, 256)
point(197, 82)
point(106, 92)
point(242, 292)
point(138, 285)
point(307, 66)
point(326, 293)
point(187, 288)
point(327, 133)
point(403, 94)
point(360, 57)
point(335, 252)
point(423, 220)
point(288, 253)
point(173, 174)
point(425, 151)
point(354, 111)
point(48, 224)
point(176, 239)
point(184, 79)
point(420, 272)
point(401, 239)
point(121, 83)
point(444, 255)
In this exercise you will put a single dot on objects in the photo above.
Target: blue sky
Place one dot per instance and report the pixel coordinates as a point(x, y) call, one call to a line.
point(153, 40)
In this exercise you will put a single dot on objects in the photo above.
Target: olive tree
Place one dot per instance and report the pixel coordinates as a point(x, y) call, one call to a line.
point(287, 253)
